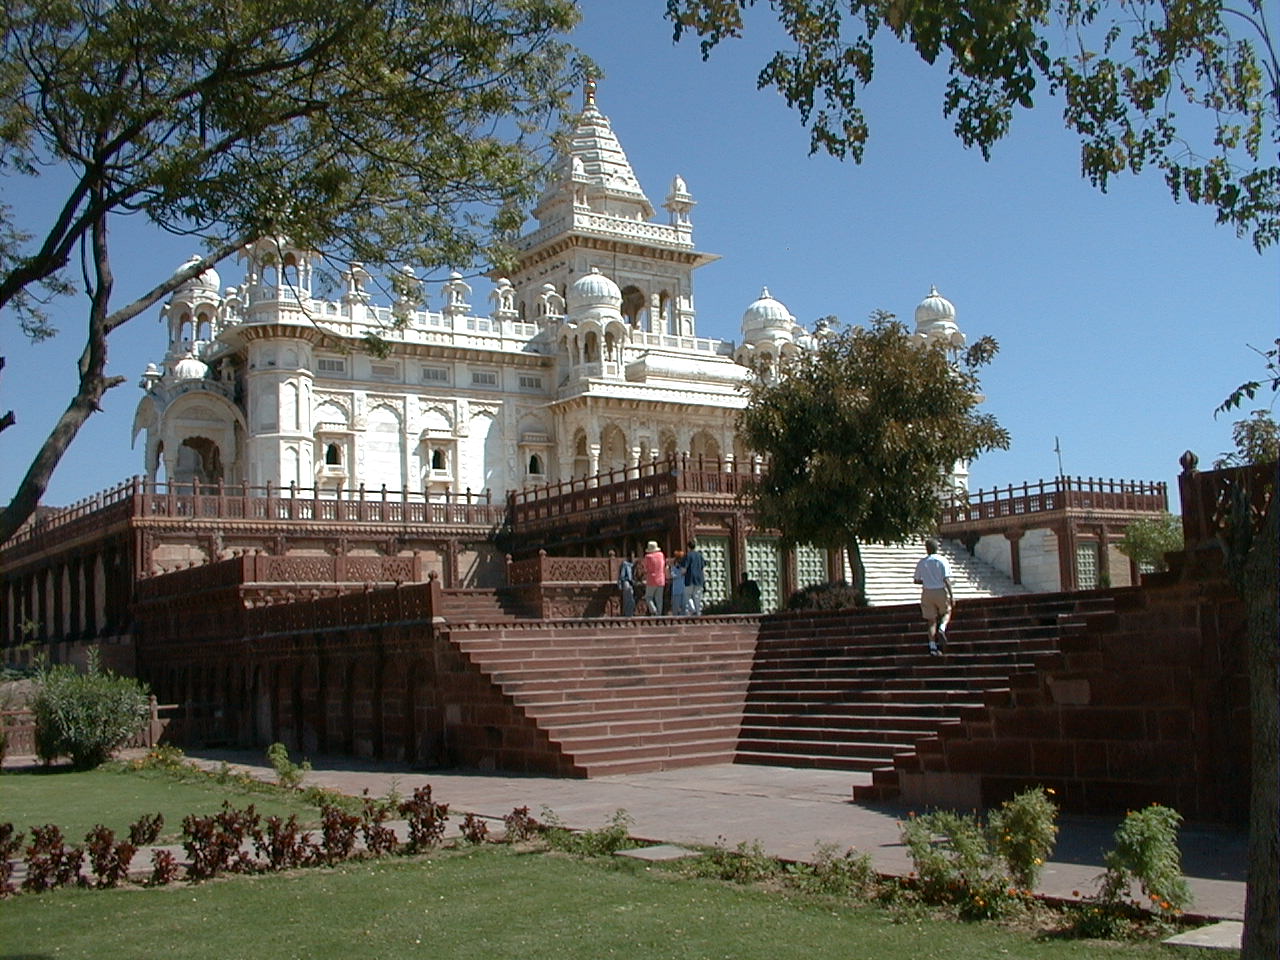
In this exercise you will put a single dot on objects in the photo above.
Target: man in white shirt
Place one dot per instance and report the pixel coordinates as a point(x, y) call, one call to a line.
point(933, 573)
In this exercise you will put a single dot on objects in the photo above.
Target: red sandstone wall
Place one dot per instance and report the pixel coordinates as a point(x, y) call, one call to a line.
point(1147, 705)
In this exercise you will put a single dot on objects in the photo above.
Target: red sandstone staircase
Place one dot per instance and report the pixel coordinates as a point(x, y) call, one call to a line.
point(853, 692)
point(477, 605)
point(639, 695)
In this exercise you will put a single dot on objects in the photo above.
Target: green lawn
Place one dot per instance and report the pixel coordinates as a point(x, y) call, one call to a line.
point(114, 796)
point(492, 903)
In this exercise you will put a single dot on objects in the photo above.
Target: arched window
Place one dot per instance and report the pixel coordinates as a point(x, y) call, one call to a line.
point(333, 455)
point(535, 464)
point(437, 459)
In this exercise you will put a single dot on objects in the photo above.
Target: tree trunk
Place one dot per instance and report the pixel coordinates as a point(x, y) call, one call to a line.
point(1258, 586)
point(857, 570)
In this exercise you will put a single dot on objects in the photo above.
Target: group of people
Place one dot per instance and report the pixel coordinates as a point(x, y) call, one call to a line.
point(643, 583)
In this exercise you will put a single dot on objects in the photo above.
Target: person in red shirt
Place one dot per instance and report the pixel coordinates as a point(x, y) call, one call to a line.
point(655, 577)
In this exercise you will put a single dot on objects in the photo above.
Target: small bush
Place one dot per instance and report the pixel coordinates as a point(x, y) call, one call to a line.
point(50, 862)
point(163, 756)
point(284, 844)
point(146, 830)
point(426, 819)
point(288, 773)
point(108, 860)
point(1147, 853)
point(338, 829)
point(746, 863)
point(474, 829)
point(86, 716)
point(827, 596)
point(1023, 832)
point(834, 874)
point(379, 839)
point(10, 844)
point(607, 840)
point(214, 843)
point(519, 826)
point(164, 868)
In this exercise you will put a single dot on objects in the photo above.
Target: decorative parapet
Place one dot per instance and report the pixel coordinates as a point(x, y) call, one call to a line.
point(138, 500)
point(702, 476)
point(1057, 495)
point(575, 570)
point(265, 568)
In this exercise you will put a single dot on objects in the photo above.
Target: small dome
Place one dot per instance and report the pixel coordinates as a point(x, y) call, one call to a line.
point(766, 313)
point(208, 280)
point(933, 309)
point(189, 368)
point(594, 289)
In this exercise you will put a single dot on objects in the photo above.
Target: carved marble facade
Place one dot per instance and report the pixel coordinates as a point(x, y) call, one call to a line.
point(588, 360)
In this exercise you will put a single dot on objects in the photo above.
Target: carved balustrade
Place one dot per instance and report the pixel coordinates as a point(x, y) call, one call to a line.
point(704, 476)
point(1058, 494)
point(577, 570)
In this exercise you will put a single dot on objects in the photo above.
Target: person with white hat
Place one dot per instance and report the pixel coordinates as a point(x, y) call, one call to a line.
point(655, 576)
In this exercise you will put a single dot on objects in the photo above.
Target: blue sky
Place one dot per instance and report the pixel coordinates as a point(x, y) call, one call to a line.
point(1123, 318)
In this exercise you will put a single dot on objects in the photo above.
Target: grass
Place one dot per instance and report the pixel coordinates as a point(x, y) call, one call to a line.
point(116, 796)
point(492, 902)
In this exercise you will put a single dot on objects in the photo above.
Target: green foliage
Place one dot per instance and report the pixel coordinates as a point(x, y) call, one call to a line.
point(1149, 539)
point(86, 716)
point(746, 863)
point(1257, 440)
point(984, 870)
point(288, 773)
point(1146, 852)
point(834, 874)
point(602, 842)
point(859, 433)
point(1191, 88)
point(827, 596)
point(1023, 832)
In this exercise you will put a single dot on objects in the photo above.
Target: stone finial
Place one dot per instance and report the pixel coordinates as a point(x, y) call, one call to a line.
point(1190, 463)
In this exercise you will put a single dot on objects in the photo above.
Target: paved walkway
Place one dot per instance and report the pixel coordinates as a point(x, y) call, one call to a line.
point(789, 810)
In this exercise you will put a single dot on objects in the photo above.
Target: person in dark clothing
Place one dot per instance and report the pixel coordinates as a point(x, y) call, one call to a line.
point(627, 585)
point(749, 594)
point(695, 579)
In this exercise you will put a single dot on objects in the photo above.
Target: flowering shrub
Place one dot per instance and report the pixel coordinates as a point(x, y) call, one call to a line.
point(1023, 832)
point(984, 870)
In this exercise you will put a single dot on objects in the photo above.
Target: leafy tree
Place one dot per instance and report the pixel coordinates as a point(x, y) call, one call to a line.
point(1127, 71)
point(860, 434)
point(384, 131)
point(1147, 541)
point(1257, 440)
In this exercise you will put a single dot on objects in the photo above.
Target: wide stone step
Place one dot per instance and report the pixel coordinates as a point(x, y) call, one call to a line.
point(570, 728)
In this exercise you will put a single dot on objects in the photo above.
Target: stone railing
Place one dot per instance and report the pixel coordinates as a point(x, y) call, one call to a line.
point(682, 474)
point(140, 499)
point(545, 569)
point(1060, 493)
point(265, 568)
point(1210, 498)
